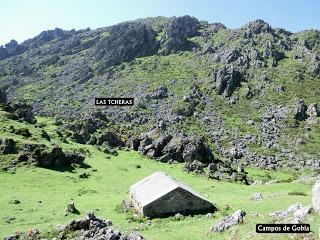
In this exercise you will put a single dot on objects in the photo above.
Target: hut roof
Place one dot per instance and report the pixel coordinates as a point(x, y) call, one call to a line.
point(155, 186)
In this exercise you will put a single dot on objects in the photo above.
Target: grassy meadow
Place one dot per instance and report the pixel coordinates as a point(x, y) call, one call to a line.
point(44, 193)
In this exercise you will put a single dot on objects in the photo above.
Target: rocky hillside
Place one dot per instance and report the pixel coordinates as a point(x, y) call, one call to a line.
point(202, 92)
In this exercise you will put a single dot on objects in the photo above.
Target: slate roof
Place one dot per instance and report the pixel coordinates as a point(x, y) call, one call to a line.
point(155, 186)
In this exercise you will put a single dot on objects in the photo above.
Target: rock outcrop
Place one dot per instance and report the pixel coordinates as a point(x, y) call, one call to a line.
point(296, 213)
point(22, 111)
point(127, 41)
point(227, 222)
point(176, 34)
point(300, 110)
point(226, 80)
point(88, 228)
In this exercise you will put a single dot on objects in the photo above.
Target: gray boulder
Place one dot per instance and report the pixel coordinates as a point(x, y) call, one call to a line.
point(225, 223)
point(195, 149)
point(195, 166)
point(299, 110)
point(111, 138)
point(296, 213)
point(313, 110)
point(160, 143)
point(22, 111)
point(226, 80)
point(71, 208)
point(159, 93)
point(131, 236)
point(256, 197)
point(315, 67)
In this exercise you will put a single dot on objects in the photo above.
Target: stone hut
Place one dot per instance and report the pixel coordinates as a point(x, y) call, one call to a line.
point(159, 195)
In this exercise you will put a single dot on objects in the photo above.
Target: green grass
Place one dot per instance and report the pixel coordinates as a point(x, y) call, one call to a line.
point(108, 186)
point(105, 188)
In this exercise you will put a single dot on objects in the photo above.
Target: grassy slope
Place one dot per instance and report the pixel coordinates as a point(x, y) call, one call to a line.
point(109, 185)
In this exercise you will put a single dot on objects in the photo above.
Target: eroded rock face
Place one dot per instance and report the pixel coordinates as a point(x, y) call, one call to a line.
point(195, 166)
point(233, 55)
point(176, 34)
point(226, 80)
point(22, 111)
point(225, 223)
point(110, 138)
point(127, 41)
point(296, 213)
point(300, 110)
point(168, 147)
point(256, 27)
point(195, 149)
point(56, 157)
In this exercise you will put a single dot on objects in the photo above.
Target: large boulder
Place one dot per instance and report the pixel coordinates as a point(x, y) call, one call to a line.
point(81, 137)
point(91, 227)
point(160, 143)
point(188, 149)
point(299, 110)
point(133, 143)
point(313, 110)
point(22, 111)
point(53, 158)
point(111, 138)
point(173, 150)
point(195, 166)
point(226, 79)
point(228, 55)
point(159, 93)
point(196, 149)
point(225, 223)
point(295, 214)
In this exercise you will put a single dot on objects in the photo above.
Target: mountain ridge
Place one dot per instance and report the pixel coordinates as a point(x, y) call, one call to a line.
point(249, 92)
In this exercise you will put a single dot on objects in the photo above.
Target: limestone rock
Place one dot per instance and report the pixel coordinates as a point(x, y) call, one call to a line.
point(226, 80)
point(313, 110)
point(300, 110)
point(225, 223)
point(256, 197)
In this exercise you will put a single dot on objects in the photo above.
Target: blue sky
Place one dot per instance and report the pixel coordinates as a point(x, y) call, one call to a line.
point(23, 19)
